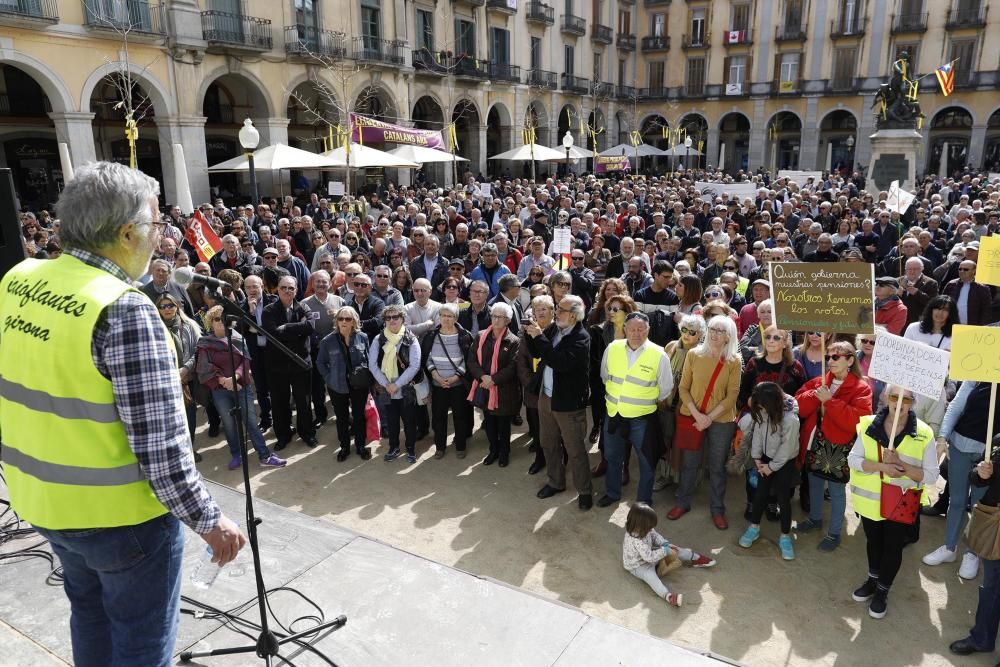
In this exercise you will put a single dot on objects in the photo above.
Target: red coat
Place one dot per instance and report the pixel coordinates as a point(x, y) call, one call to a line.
point(892, 315)
point(852, 401)
point(513, 259)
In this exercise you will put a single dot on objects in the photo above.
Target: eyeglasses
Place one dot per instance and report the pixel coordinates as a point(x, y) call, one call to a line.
point(166, 306)
point(345, 319)
point(578, 259)
point(382, 275)
point(782, 241)
point(966, 270)
point(451, 287)
point(815, 333)
point(560, 283)
point(392, 318)
point(689, 332)
point(350, 275)
point(287, 288)
point(717, 331)
point(361, 284)
point(836, 357)
point(893, 399)
point(729, 267)
point(614, 309)
point(774, 338)
point(867, 341)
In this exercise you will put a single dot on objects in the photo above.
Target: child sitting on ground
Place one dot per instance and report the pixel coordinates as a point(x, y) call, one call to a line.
point(643, 548)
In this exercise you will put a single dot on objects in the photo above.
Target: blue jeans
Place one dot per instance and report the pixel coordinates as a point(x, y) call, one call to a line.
point(124, 587)
point(984, 632)
point(223, 399)
point(614, 452)
point(838, 502)
point(960, 466)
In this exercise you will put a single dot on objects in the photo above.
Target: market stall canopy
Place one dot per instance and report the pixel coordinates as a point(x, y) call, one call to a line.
point(423, 155)
point(531, 152)
point(575, 153)
point(363, 157)
point(682, 151)
point(278, 156)
point(644, 150)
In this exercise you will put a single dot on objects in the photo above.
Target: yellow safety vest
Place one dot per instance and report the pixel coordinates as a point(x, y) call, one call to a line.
point(632, 392)
point(866, 488)
point(65, 454)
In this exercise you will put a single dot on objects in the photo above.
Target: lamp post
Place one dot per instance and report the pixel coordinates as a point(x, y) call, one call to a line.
point(687, 152)
point(850, 152)
point(249, 138)
point(568, 145)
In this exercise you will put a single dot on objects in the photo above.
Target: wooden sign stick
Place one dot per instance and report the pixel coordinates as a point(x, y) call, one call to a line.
point(895, 418)
point(989, 419)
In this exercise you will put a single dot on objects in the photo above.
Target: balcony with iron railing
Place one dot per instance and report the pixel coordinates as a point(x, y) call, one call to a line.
point(574, 84)
point(626, 92)
point(573, 25)
point(367, 49)
point(469, 66)
point(626, 42)
point(14, 12)
point(431, 63)
point(601, 89)
point(737, 37)
point(139, 17)
point(501, 6)
point(656, 3)
point(846, 29)
point(601, 34)
point(236, 31)
point(539, 12)
point(505, 72)
point(541, 78)
point(474, 3)
point(309, 42)
point(903, 23)
point(841, 84)
point(696, 41)
point(790, 33)
point(655, 43)
point(967, 18)
point(780, 88)
point(654, 93)
point(693, 90)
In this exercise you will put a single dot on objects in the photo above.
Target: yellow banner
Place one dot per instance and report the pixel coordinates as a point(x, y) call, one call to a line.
point(988, 266)
point(787, 86)
point(974, 353)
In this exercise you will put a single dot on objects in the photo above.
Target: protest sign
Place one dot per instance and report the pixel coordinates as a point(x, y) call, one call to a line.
point(335, 188)
point(739, 191)
point(372, 131)
point(909, 364)
point(818, 296)
point(975, 353)
point(801, 178)
point(988, 264)
point(562, 241)
point(899, 200)
point(606, 163)
point(486, 190)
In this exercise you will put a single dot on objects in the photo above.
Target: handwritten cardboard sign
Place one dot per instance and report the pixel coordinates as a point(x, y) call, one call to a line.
point(988, 264)
point(909, 364)
point(819, 296)
point(975, 353)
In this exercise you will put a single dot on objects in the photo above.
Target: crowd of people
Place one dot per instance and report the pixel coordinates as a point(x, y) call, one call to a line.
point(650, 335)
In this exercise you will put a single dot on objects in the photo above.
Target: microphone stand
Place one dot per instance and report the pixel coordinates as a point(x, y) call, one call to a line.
point(268, 643)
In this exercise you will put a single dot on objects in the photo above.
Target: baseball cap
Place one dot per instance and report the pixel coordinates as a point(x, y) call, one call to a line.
point(270, 251)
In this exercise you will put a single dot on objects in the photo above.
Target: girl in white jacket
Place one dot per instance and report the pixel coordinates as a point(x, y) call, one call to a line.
point(643, 548)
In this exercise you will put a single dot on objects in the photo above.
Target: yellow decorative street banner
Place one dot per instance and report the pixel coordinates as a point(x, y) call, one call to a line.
point(975, 353)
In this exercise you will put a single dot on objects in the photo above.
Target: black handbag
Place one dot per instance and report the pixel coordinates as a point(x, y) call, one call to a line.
point(825, 459)
point(358, 377)
point(481, 399)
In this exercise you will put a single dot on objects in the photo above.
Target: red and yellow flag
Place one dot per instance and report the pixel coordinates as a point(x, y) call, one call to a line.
point(201, 235)
point(946, 77)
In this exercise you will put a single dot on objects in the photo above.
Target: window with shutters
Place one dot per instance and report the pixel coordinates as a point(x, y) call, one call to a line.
point(623, 73)
point(569, 56)
point(657, 76)
point(911, 7)
point(536, 53)
point(844, 64)
point(793, 14)
point(736, 70)
point(371, 24)
point(740, 16)
point(598, 7)
point(695, 76)
point(465, 37)
point(425, 29)
point(624, 23)
point(658, 25)
point(963, 51)
point(786, 72)
point(697, 26)
point(597, 67)
point(500, 46)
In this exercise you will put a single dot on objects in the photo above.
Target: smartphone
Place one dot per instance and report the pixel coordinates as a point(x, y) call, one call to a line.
point(526, 321)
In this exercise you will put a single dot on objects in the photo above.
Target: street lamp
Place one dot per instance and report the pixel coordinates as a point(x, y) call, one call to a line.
point(249, 138)
point(687, 152)
point(568, 145)
point(850, 152)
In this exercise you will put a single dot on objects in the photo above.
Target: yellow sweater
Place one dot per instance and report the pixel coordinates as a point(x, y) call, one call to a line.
point(697, 373)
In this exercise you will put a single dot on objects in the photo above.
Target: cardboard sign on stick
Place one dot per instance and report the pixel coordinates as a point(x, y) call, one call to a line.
point(909, 364)
point(988, 264)
point(819, 296)
point(975, 353)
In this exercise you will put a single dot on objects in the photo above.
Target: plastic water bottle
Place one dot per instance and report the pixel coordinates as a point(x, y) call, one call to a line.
point(205, 572)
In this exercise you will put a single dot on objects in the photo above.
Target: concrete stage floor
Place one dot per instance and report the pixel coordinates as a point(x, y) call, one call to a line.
point(402, 609)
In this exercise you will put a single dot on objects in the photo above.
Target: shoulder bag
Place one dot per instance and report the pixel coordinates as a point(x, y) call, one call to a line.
point(686, 434)
point(983, 535)
point(358, 377)
point(465, 379)
point(896, 503)
point(825, 459)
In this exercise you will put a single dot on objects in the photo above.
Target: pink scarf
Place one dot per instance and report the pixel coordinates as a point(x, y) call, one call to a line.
point(494, 400)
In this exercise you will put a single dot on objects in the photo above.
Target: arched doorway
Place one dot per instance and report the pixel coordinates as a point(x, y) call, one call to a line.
point(498, 130)
point(695, 127)
point(313, 116)
point(652, 131)
point(734, 143)
point(784, 141)
point(109, 126)
point(991, 154)
point(28, 140)
point(428, 115)
point(950, 134)
point(465, 116)
point(229, 100)
point(837, 137)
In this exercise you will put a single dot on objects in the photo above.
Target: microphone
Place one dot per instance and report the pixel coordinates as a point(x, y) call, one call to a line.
point(184, 276)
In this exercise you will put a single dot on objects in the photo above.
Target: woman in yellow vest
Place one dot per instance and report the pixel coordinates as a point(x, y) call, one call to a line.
point(910, 461)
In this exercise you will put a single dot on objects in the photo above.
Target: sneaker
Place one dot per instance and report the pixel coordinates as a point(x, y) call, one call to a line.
point(865, 592)
point(940, 555)
point(235, 463)
point(675, 599)
point(808, 526)
point(749, 536)
point(411, 458)
point(880, 603)
point(273, 461)
point(829, 543)
point(787, 550)
point(702, 560)
point(391, 455)
point(970, 566)
point(661, 482)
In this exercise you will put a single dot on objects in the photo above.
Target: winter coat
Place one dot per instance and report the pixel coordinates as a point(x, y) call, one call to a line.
point(852, 401)
point(781, 446)
point(214, 361)
point(508, 386)
point(332, 365)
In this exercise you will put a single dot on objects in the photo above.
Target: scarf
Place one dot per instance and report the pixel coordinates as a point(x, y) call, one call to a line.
point(389, 367)
point(494, 394)
point(618, 322)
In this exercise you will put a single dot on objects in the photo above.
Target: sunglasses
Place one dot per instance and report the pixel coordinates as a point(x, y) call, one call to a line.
point(867, 341)
point(729, 267)
point(361, 284)
point(964, 270)
point(836, 357)
point(345, 319)
point(893, 399)
point(166, 306)
point(774, 338)
point(689, 332)
point(286, 288)
point(391, 318)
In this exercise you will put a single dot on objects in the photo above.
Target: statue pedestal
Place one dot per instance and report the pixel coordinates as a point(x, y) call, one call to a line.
point(894, 158)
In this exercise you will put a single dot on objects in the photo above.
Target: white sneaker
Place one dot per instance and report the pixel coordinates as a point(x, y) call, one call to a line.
point(970, 566)
point(940, 555)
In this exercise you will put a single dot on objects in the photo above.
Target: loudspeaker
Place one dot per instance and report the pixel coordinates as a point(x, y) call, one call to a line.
point(11, 244)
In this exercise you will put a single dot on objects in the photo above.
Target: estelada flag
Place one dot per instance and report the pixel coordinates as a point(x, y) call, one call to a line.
point(946, 77)
point(201, 235)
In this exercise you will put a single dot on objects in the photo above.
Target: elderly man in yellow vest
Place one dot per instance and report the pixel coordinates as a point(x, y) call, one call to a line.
point(637, 376)
point(96, 451)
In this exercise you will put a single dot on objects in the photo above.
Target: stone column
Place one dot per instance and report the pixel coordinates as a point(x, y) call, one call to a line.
point(189, 132)
point(712, 147)
point(757, 151)
point(809, 154)
point(866, 127)
point(75, 129)
point(976, 144)
point(481, 141)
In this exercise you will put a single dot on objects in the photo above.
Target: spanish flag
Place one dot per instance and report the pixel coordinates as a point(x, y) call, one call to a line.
point(946, 77)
